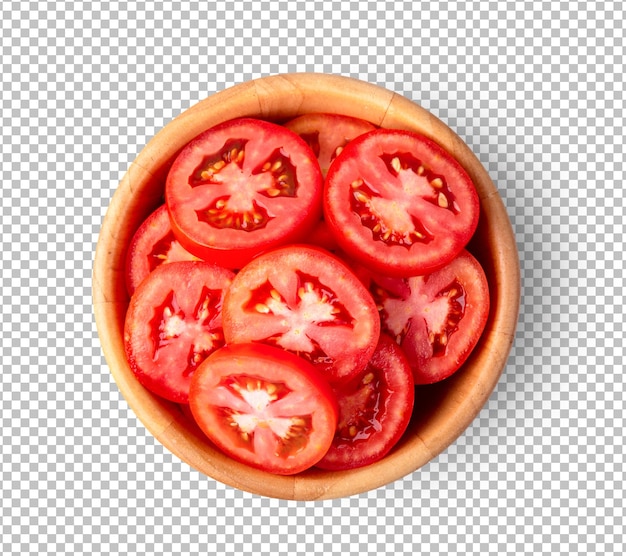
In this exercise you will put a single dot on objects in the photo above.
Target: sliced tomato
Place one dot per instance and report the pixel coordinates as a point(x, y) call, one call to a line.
point(264, 407)
point(374, 410)
point(438, 318)
point(152, 245)
point(242, 187)
point(328, 134)
point(305, 300)
point(173, 322)
point(399, 203)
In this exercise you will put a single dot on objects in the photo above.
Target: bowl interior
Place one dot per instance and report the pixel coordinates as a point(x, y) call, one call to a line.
point(442, 411)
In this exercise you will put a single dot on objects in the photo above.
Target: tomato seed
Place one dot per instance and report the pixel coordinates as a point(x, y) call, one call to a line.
point(396, 164)
point(361, 197)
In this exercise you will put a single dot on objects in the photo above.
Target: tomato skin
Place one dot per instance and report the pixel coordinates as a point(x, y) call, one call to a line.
point(153, 244)
point(265, 407)
point(306, 300)
point(374, 410)
point(242, 187)
point(438, 318)
point(173, 322)
point(328, 134)
point(399, 203)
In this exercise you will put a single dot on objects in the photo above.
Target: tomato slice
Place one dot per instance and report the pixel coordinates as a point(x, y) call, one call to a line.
point(399, 203)
point(328, 134)
point(374, 410)
point(438, 318)
point(173, 322)
point(242, 187)
point(305, 300)
point(264, 407)
point(152, 245)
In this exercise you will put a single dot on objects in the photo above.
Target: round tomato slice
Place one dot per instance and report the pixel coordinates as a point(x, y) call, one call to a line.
point(242, 187)
point(328, 134)
point(374, 410)
point(173, 322)
point(264, 407)
point(437, 319)
point(399, 203)
point(152, 245)
point(304, 300)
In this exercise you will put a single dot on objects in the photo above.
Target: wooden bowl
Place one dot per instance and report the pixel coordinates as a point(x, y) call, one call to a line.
point(443, 411)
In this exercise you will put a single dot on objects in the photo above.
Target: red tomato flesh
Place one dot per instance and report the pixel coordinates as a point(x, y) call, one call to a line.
point(328, 134)
point(264, 407)
point(437, 319)
point(152, 245)
point(399, 203)
point(242, 187)
point(305, 300)
point(374, 410)
point(173, 322)
point(322, 237)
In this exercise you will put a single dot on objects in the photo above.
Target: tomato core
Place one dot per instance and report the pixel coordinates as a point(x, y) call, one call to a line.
point(241, 208)
point(314, 305)
point(170, 322)
point(257, 394)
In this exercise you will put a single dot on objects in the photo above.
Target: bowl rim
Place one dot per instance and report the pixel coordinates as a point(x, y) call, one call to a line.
point(278, 98)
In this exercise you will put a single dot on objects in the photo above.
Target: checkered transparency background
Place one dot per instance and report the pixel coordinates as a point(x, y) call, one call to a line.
point(537, 91)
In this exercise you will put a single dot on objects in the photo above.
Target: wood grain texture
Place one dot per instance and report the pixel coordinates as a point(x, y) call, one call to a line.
point(450, 406)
